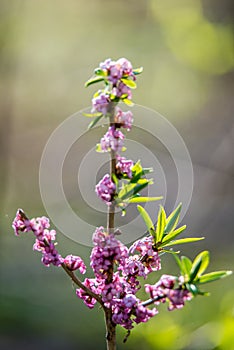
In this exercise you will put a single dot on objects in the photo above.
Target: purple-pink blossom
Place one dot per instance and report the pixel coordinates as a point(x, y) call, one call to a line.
point(112, 140)
point(148, 256)
point(165, 289)
point(105, 189)
point(44, 237)
point(74, 262)
point(122, 91)
point(100, 103)
point(21, 223)
point(123, 119)
point(115, 70)
point(92, 285)
point(124, 166)
point(107, 251)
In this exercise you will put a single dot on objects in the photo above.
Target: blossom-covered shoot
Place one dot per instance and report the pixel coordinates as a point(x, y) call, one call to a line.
point(121, 272)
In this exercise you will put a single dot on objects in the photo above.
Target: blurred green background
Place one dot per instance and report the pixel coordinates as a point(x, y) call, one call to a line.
point(48, 49)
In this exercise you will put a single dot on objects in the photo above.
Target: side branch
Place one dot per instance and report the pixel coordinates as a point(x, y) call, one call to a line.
point(77, 281)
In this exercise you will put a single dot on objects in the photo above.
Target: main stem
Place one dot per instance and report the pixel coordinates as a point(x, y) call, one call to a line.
point(110, 325)
point(111, 208)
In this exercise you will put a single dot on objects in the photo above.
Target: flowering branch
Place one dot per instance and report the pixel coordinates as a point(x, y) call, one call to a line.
point(118, 270)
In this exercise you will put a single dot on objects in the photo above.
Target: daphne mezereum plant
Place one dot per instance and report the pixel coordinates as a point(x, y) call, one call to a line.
point(118, 270)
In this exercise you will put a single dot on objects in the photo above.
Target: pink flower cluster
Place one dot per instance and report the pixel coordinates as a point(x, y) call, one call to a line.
point(115, 70)
point(110, 257)
point(45, 241)
point(113, 139)
point(123, 119)
point(148, 256)
point(165, 289)
point(100, 103)
point(122, 91)
point(124, 166)
point(105, 189)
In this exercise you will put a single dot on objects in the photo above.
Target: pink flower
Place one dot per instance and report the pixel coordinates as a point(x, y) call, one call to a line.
point(149, 257)
point(124, 119)
point(90, 283)
point(165, 289)
point(74, 262)
point(113, 139)
point(107, 251)
point(105, 189)
point(122, 91)
point(100, 103)
point(21, 223)
point(123, 166)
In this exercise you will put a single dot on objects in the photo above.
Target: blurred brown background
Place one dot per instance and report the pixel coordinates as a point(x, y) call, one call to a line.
point(48, 49)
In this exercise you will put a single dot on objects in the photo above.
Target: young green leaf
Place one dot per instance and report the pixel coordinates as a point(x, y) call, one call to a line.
point(187, 265)
point(161, 223)
point(130, 83)
point(182, 241)
point(172, 220)
point(137, 71)
point(145, 216)
point(213, 276)
point(100, 72)
point(128, 102)
point(199, 263)
point(205, 258)
point(144, 199)
point(92, 115)
point(179, 263)
point(98, 148)
point(94, 122)
point(173, 234)
point(93, 80)
point(193, 288)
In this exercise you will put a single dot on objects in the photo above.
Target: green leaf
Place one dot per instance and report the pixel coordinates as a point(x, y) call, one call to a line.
point(213, 276)
point(91, 115)
point(179, 263)
point(116, 181)
point(98, 148)
point(130, 83)
point(100, 72)
point(161, 223)
point(131, 189)
point(128, 102)
point(137, 71)
point(173, 219)
point(199, 263)
point(192, 288)
point(187, 265)
point(182, 241)
point(173, 234)
point(145, 216)
point(93, 80)
point(205, 259)
point(147, 170)
point(94, 122)
point(144, 199)
point(137, 168)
